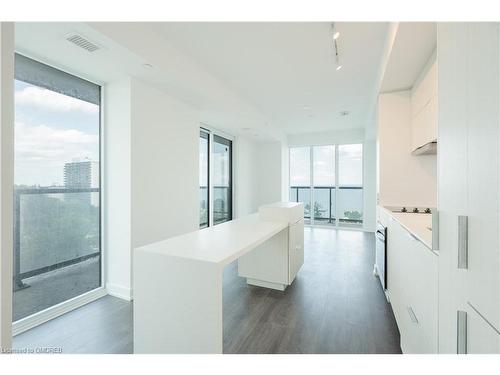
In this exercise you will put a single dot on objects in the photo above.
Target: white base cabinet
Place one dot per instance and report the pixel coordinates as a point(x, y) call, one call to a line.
point(275, 263)
point(412, 289)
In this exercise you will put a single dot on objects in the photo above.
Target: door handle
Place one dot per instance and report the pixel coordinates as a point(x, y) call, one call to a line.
point(413, 317)
point(463, 248)
point(461, 332)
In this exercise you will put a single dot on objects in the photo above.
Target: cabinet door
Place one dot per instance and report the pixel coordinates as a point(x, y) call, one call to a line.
point(296, 249)
point(482, 338)
point(482, 168)
point(397, 280)
point(424, 297)
point(424, 110)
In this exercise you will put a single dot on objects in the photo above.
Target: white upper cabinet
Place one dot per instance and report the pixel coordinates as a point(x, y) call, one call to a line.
point(424, 109)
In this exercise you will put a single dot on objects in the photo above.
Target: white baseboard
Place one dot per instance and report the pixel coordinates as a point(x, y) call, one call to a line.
point(119, 291)
point(41, 317)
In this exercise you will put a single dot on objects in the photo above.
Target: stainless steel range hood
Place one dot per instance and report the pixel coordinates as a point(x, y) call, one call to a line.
point(427, 149)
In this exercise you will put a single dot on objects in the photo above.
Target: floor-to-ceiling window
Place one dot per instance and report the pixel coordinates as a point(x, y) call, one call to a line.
point(350, 184)
point(57, 215)
point(329, 180)
point(216, 181)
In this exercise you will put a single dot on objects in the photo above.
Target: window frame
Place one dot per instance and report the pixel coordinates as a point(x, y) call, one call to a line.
point(52, 312)
point(337, 182)
point(212, 132)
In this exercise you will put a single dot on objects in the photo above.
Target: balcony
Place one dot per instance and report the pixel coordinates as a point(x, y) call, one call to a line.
point(325, 212)
point(222, 205)
point(56, 247)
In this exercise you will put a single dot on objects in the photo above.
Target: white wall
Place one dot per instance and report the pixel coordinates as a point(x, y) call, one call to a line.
point(327, 138)
point(165, 166)
point(117, 196)
point(404, 179)
point(260, 174)
point(151, 164)
point(6, 180)
point(369, 182)
point(269, 160)
point(245, 178)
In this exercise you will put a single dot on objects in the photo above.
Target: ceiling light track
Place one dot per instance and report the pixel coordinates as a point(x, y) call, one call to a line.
point(335, 37)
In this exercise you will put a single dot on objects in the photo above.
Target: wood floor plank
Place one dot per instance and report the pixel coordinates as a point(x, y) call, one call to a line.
point(335, 305)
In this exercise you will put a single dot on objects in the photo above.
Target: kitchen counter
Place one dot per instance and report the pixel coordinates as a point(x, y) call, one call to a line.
point(177, 282)
point(419, 225)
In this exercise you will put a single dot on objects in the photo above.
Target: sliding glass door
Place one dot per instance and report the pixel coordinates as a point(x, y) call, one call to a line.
point(204, 181)
point(221, 174)
point(216, 181)
point(350, 172)
point(329, 180)
point(324, 184)
point(57, 215)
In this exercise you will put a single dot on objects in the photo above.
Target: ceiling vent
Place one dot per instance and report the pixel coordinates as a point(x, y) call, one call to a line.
point(82, 42)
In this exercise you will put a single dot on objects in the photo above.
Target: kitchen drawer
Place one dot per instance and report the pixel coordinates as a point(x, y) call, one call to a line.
point(413, 287)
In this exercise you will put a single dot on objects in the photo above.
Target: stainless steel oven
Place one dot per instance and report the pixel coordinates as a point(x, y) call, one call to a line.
point(380, 268)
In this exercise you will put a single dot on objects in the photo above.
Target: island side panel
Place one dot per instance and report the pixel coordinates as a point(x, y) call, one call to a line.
point(177, 305)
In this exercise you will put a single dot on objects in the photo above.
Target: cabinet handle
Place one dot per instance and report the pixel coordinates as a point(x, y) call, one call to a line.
point(463, 250)
point(413, 317)
point(461, 332)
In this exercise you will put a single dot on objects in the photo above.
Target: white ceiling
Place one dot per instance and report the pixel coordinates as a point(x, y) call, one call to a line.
point(287, 70)
point(413, 46)
point(273, 78)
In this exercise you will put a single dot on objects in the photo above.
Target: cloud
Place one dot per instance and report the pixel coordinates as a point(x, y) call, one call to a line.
point(51, 100)
point(41, 151)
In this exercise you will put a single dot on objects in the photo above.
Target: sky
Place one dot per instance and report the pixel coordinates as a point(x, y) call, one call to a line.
point(350, 165)
point(50, 130)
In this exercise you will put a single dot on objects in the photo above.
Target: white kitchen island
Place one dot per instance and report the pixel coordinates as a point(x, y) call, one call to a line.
point(178, 281)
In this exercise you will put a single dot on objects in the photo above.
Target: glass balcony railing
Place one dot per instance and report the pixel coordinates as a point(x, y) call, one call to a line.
point(56, 246)
point(221, 202)
point(349, 200)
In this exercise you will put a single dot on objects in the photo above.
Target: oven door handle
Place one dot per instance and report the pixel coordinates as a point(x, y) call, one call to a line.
point(380, 236)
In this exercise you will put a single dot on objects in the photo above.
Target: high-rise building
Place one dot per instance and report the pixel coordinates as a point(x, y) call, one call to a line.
point(81, 175)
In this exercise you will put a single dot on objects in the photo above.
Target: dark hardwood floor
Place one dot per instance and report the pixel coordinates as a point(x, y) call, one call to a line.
point(335, 305)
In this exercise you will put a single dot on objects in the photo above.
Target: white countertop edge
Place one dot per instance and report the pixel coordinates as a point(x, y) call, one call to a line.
point(161, 247)
point(410, 230)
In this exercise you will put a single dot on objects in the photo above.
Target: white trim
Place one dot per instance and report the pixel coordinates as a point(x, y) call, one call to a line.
point(43, 316)
point(6, 179)
point(119, 291)
point(102, 190)
point(210, 129)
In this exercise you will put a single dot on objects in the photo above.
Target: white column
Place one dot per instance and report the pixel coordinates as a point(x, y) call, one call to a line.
point(6, 179)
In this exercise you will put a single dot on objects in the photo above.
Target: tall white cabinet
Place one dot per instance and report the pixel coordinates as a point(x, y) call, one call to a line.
point(468, 61)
